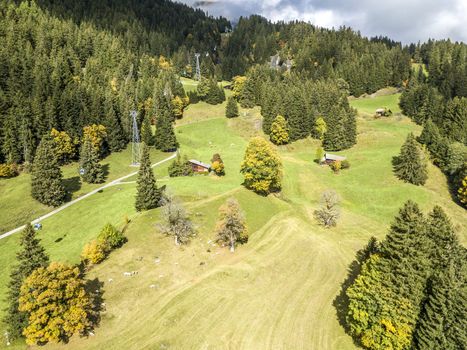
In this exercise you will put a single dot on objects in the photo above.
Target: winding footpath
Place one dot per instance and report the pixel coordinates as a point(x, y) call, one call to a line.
point(66, 205)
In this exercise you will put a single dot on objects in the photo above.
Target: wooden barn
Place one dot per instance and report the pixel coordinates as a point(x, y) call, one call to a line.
point(331, 158)
point(199, 167)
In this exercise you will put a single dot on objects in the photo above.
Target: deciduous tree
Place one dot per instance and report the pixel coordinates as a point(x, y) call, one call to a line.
point(30, 257)
point(56, 302)
point(279, 131)
point(261, 167)
point(231, 227)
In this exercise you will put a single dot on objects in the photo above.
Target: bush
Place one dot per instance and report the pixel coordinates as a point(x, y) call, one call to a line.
point(345, 164)
point(336, 166)
point(9, 170)
point(180, 167)
point(329, 212)
point(112, 237)
point(217, 165)
point(94, 252)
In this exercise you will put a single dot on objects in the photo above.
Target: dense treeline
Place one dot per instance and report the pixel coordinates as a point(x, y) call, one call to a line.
point(446, 65)
point(367, 65)
point(437, 99)
point(56, 74)
point(301, 101)
point(410, 289)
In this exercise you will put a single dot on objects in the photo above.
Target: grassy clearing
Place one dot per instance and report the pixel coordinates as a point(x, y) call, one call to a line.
point(369, 105)
point(275, 292)
point(15, 213)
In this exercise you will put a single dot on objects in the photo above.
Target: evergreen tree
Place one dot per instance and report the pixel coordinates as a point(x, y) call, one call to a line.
point(410, 166)
point(334, 138)
point(247, 97)
point(165, 139)
point(90, 169)
point(46, 176)
point(146, 131)
point(115, 134)
point(31, 256)
point(148, 195)
point(269, 107)
point(279, 131)
point(231, 110)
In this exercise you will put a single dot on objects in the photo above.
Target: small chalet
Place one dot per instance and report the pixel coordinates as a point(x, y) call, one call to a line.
point(383, 112)
point(331, 158)
point(199, 167)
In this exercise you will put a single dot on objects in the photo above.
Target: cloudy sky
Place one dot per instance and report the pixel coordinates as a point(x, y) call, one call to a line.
point(402, 20)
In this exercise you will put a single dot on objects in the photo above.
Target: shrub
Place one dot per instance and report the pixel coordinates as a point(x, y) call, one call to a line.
point(345, 164)
point(94, 252)
point(329, 212)
point(180, 167)
point(336, 166)
point(112, 237)
point(319, 154)
point(9, 170)
point(217, 165)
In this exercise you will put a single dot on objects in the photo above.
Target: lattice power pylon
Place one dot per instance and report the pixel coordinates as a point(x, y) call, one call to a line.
point(135, 141)
point(198, 70)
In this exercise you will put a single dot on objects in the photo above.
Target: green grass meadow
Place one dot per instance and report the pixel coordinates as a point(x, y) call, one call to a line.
point(276, 291)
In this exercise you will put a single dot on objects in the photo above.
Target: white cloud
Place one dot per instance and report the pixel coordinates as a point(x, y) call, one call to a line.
point(403, 20)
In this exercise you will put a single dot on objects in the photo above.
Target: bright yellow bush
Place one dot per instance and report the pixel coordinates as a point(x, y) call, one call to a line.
point(94, 252)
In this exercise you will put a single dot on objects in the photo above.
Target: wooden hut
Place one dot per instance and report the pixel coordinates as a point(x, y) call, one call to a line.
point(199, 167)
point(331, 158)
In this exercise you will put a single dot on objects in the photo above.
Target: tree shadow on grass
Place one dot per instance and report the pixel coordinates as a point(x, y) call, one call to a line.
point(95, 289)
point(106, 170)
point(341, 301)
point(72, 185)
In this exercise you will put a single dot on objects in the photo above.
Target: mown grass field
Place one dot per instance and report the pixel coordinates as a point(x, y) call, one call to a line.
point(369, 105)
point(275, 292)
point(17, 206)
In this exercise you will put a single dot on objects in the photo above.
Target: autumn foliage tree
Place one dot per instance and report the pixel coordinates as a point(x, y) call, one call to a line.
point(97, 135)
point(30, 257)
point(217, 165)
point(56, 302)
point(261, 167)
point(65, 148)
point(231, 227)
point(279, 134)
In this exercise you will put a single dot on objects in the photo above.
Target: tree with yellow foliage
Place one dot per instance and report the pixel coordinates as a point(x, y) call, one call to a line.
point(238, 85)
point(261, 167)
point(97, 134)
point(56, 303)
point(279, 134)
point(64, 147)
point(462, 192)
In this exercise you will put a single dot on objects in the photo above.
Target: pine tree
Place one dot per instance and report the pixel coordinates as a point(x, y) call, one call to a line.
point(410, 166)
point(247, 97)
point(90, 169)
point(31, 256)
point(269, 108)
point(279, 131)
point(148, 195)
point(115, 134)
point(46, 177)
point(165, 139)
point(146, 131)
point(231, 110)
point(334, 138)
